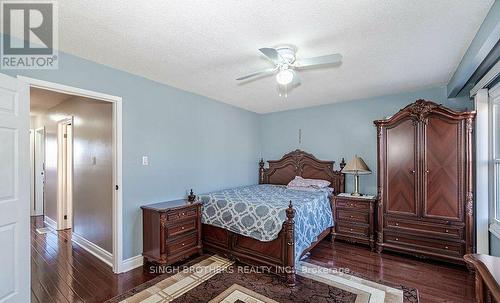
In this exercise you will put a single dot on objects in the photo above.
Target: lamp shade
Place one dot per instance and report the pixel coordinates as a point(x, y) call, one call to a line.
point(356, 166)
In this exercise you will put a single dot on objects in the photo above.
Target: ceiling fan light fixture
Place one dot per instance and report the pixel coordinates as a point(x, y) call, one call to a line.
point(284, 77)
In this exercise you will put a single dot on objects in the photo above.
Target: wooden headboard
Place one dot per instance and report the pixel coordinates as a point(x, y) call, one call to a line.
point(300, 163)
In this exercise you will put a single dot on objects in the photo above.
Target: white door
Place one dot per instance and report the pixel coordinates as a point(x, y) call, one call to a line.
point(14, 191)
point(39, 170)
point(65, 174)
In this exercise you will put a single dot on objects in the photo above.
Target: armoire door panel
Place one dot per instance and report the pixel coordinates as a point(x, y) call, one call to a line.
point(401, 169)
point(443, 169)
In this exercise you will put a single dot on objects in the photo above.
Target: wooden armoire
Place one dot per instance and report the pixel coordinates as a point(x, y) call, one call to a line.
point(425, 203)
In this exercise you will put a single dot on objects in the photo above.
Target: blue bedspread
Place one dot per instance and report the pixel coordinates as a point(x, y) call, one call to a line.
point(258, 212)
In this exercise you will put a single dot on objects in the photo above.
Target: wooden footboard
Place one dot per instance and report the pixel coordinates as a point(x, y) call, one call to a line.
point(277, 256)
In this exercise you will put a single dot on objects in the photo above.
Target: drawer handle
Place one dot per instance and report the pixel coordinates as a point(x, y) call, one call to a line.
point(351, 216)
point(446, 231)
point(350, 229)
point(397, 239)
point(397, 224)
point(183, 244)
point(183, 214)
point(182, 227)
point(446, 247)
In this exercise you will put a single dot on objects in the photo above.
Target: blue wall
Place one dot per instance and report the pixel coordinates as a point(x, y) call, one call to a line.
point(344, 129)
point(191, 141)
point(494, 245)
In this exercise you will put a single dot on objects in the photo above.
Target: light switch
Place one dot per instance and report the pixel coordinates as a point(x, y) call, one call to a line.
point(145, 160)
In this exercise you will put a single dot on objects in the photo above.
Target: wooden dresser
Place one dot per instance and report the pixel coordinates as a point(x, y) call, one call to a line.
point(354, 219)
point(425, 182)
point(171, 231)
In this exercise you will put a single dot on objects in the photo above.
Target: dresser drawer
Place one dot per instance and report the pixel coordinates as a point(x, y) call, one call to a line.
point(182, 214)
point(182, 244)
point(351, 204)
point(430, 229)
point(181, 227)
point(353, 216)
point(424, 244)
point(352, 229)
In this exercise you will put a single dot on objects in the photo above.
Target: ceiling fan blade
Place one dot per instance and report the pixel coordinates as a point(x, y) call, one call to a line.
point(272, 54)
point(263, 72)
point(321, 60)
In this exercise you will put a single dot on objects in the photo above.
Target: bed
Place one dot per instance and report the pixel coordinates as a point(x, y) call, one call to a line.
point(295, 221)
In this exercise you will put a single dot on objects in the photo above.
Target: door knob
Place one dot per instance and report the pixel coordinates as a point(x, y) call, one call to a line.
point(412, 171)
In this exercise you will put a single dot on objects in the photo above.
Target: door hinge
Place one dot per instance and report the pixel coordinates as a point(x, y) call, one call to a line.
point(65, 217)
point(116, 187)
point(65, 136)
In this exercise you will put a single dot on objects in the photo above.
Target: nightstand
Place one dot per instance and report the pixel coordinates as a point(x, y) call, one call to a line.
point(171, 231)
point(354, 219)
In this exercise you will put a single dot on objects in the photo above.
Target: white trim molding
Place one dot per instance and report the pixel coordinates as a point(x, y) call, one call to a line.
point(117, 257)
point(131, 263)
point(93, 248)
point(49, 222)
point(495, 229)
point(490, 76)
point(482, 198)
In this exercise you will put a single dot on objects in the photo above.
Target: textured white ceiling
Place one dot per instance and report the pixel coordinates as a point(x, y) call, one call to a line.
point(202, 46)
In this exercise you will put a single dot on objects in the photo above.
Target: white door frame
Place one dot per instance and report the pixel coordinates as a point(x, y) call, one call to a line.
point(117, 152)
point(32, 172)
point(64, 174)
point(39, 171)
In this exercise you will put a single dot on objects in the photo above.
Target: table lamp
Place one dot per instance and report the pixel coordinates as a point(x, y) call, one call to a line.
point(356, 167)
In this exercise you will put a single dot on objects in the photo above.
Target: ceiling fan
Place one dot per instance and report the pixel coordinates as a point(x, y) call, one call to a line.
point(286, 65)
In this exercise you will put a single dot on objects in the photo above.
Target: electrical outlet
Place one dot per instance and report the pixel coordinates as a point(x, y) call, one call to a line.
point(145, 160)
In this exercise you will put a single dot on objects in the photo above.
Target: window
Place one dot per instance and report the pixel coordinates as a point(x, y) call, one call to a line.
point(495, 125)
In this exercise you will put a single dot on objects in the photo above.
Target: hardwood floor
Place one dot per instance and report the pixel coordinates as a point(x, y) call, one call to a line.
point(436, 282)
point(61, 271)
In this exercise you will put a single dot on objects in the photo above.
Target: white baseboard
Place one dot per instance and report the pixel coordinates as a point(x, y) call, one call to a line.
point(131, 263)
point(49, 222)
point(100, 253)
point(92, 248)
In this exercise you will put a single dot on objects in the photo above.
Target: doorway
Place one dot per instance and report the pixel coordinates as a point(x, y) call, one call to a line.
point(69, 157)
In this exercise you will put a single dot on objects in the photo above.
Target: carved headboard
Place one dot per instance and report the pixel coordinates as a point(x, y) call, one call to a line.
point(300, 163)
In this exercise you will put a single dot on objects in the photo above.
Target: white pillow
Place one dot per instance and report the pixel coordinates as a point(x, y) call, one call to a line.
point(309, 188)
point(301, 182)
